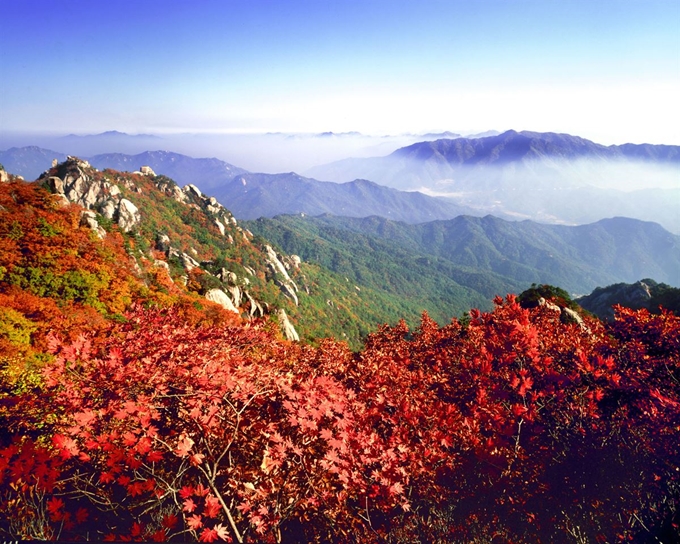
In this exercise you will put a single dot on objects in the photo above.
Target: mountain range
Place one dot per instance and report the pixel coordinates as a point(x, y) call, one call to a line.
point(546, 177)
point(249, 195)
point(443, 158)
point(553, 178)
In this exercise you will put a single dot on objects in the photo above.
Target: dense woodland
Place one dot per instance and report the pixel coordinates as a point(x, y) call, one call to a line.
point(133, 409)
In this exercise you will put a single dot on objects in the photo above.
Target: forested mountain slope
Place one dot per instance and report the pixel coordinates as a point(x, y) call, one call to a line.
point(191, 244)
point(485, 254)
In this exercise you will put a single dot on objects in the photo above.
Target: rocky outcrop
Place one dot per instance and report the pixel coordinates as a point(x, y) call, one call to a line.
point(75, 183)
point(147, 171)
point(220, 297)
point(567, 315)
point(601, 301)
point(287, 328)
point(127, 215)
point(192, 195)
point(4, 176)
point(278, 272)
point(89, 219)
point(112, 196)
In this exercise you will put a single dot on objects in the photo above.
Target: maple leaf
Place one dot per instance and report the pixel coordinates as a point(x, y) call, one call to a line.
point(196, 459)
point(184, 446)
point(396, 488)
point(527, 384)
point(212, 506)
point(244, 507)
point(154, 456)
point(135, 489)
point(159, 536)
point(208, 535)
point(68, 446)
point(189, 505)
point(81, 515)
point(186, 491)
point(137, 529)
point(169, 521)
point(222, 532)
point(85, 418)
point(194, 522)
point(201, 490)
point(54, 505)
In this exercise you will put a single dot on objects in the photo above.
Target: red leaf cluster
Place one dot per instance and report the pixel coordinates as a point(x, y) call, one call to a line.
point(513, 426)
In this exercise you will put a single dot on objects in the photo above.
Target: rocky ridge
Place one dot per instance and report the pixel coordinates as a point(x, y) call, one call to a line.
point(644, 294)
point(107, 197)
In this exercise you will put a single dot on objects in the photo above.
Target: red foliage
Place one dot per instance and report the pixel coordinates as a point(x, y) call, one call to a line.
point(513, 427)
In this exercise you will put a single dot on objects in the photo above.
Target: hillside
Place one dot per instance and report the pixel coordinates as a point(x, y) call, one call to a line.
point(181, 242)
point(488, 255)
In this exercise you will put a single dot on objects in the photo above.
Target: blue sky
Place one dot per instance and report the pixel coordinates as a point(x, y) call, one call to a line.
point(606, 70)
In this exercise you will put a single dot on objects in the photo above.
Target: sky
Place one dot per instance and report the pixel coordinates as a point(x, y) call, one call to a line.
point(605, 70)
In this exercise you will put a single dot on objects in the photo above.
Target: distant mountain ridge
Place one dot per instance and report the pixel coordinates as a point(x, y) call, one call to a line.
point(206, 173)
point(29, 161)
point(110, 134)
point(512, 146)
point(250, 196)
point(547, 177)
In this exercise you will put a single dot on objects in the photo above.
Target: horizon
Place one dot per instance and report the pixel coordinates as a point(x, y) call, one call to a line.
point(604, 71)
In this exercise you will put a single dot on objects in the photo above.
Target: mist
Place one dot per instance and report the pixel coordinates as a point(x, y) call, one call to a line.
point(267, 153)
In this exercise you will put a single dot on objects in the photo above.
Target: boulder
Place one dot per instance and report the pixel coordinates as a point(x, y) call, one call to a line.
point(220, 226)
point(128, 215)
point(109, 209)
point(235, 293)
point(192, 190)
point(289, 290)
point(55, 185)
point(162, 242)
point(189, 262)
point(286, 326)
point(275, 264)
point(255, 306)
point(220, 297)
point(89, 219)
